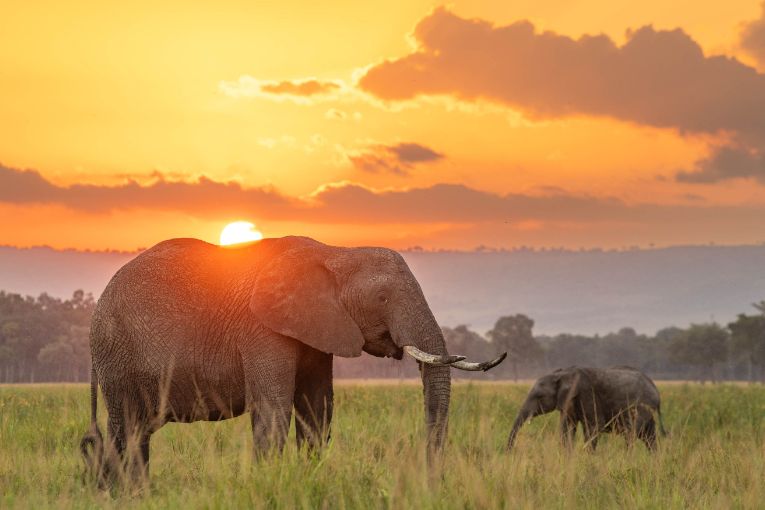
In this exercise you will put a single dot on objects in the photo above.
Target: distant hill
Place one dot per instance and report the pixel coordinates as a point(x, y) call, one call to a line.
point(594, 291)
point(57, 272)
point(564, 291)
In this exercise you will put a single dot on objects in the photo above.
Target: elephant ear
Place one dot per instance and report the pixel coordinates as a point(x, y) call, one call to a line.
point(296, 295)
point(576, 394)
point(567, 391)
point(572, 385)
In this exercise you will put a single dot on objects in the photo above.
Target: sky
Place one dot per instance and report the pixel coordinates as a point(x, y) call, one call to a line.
point(546, 123)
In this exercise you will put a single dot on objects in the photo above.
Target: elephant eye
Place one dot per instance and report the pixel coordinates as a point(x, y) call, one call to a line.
point(383, 298)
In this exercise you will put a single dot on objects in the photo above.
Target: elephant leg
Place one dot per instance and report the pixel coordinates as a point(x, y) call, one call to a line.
point(647, 433)
point(567, 430)
point(313, 397)
point(270, 366)
point(590, 436)
point(116, 444)
point(128, 434)
point(142, 464)
point(629, 429)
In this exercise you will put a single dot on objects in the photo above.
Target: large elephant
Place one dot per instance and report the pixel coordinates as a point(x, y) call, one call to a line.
point(618, 399)
point(191, 331)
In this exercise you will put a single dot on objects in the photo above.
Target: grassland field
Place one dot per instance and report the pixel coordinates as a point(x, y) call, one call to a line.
point(713, 457)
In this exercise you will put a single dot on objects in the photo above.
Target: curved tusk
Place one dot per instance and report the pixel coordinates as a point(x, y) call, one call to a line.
point(431, 359)
point(475, 367)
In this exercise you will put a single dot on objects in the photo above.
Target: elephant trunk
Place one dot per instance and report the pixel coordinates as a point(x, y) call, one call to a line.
point(526, 413)
point(436, 384)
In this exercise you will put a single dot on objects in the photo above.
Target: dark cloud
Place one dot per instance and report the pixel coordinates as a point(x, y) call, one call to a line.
point(208, 197)
point(753, 38)
point(727, 162)
point(455, 203)
point(398, 159)
point(414, 153)
point(355, 204)
point(299, 91)
point(657, 78)
point(299, 88)
point(21, 186)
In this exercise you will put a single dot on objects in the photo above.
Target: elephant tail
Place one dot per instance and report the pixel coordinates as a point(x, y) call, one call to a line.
point(92, 443)
point(662, 430)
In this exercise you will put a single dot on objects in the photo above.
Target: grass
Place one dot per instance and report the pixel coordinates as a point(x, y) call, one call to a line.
point(714, 456)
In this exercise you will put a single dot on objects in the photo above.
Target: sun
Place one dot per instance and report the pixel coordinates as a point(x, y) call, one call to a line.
point(239, 232)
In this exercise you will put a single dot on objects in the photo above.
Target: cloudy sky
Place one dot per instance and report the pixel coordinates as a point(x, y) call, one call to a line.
point(596, 123)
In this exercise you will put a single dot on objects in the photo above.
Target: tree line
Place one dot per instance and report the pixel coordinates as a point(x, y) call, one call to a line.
point(45, 339)
point(702, 352)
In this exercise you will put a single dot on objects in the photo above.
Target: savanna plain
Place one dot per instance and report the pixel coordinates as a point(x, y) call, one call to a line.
point(713, 456)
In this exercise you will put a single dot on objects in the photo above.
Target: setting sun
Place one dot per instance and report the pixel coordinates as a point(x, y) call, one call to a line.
point(239, 232)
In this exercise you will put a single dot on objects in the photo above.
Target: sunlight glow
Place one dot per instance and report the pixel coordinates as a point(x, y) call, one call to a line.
point(239, 232)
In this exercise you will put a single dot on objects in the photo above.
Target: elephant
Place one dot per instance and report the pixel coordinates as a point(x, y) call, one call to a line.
point(619, 399)
point(190, 331)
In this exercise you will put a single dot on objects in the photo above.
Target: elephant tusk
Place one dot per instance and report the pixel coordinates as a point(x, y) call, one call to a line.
point(475, 367)
point(431, 359)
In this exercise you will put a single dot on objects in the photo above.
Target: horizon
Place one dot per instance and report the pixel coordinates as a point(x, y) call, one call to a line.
point(418, 249)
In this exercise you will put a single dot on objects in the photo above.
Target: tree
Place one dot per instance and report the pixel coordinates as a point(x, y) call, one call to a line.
point(514, 334)
point(748, 340)
point(67, 357)
point(660, 352)
point(566, 349)
point(701, 345)
point(44, 338)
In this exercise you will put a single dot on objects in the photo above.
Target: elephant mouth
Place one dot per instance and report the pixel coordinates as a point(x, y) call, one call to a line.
point(384, 347)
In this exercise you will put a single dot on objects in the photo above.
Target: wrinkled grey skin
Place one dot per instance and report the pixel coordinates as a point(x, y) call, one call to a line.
point(191, 331)
point(617, 399)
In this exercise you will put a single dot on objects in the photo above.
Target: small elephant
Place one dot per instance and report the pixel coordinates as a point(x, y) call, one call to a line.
point(191, 331)
point(619, 399)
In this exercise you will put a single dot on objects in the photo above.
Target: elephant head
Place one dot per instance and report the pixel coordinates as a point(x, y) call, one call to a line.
point(564, 390)
point(345, 300)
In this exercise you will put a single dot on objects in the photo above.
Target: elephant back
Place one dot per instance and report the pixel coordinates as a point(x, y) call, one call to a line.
point(633, 384)
point(168, 301)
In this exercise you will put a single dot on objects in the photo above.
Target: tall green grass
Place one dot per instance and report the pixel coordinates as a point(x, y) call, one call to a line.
point(714, 456)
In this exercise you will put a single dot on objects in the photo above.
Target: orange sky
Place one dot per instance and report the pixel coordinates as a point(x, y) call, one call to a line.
point(545, 123)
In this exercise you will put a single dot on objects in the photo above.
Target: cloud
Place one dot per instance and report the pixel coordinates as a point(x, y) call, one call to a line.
point(455, 203)
point(397, 159)
point(353, 204)
point(727, 162)
point(20, 186)
point(301, 91)
point(752, 39)
point(299, 88)
point(414, 153)
point(209, 197)
point(657, 78)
